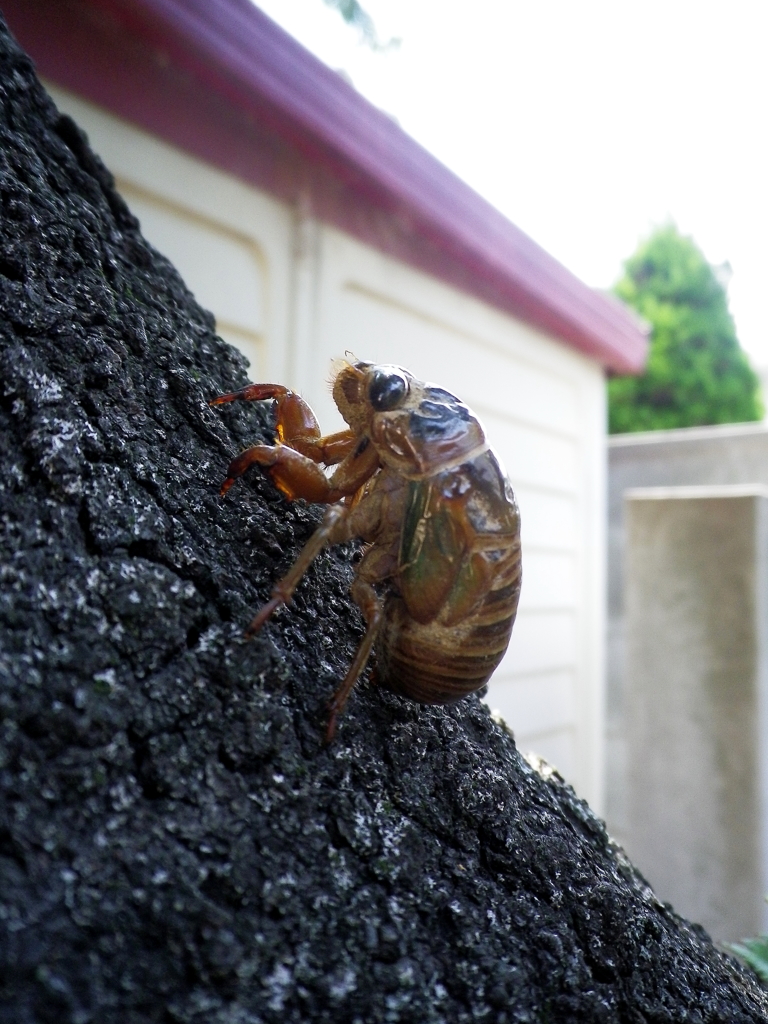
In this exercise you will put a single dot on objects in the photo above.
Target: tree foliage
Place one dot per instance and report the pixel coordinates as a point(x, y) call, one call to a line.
point(356, 15)
point(696, 372)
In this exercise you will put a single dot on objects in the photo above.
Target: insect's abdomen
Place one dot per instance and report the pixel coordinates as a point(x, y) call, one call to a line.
point(434, 663)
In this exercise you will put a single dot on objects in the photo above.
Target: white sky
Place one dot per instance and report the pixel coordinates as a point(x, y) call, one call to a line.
point(586, 122)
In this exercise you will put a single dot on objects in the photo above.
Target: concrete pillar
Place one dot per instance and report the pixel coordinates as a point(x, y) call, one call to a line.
point(696, 595)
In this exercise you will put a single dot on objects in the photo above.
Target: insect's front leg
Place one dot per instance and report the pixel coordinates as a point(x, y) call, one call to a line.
point(297, 476)
point(295, 423)
point(294, 475)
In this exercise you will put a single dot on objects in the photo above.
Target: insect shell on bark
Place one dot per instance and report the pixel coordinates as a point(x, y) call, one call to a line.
point(415, 479)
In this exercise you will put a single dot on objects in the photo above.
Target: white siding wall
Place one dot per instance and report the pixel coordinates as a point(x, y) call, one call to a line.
point(293, 294)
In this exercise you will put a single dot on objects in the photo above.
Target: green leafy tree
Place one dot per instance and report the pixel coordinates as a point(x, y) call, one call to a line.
point(696, 372)
point(356, 15)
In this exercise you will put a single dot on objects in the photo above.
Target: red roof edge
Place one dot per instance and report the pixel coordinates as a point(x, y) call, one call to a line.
point(220, 80)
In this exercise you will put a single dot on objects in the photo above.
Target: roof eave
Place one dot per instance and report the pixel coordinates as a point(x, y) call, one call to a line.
point(213, 76)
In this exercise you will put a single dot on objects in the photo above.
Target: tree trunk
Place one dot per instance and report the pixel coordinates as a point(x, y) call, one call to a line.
point(176, 841)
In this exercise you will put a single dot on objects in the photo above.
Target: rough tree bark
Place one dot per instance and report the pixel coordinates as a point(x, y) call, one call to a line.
point(176, 842)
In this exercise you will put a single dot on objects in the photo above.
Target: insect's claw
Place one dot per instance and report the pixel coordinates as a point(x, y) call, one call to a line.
point(264, 613)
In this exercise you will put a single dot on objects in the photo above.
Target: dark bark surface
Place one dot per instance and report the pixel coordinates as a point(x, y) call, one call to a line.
point(176, 842)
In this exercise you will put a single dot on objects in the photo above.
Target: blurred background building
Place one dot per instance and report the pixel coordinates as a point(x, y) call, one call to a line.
point(310, 224)
point(687, 708)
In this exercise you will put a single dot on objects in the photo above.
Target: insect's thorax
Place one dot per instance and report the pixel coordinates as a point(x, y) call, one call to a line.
point(431, 432)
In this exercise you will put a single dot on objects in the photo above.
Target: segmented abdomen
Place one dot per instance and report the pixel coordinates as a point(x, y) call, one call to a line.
point(437, 664)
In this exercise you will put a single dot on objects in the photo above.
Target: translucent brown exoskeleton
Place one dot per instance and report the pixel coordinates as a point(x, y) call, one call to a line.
point(417, 482)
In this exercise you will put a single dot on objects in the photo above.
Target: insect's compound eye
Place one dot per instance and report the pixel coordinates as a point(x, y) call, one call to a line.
point(387, 389)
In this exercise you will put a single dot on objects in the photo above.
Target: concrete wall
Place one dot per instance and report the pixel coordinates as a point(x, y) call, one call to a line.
point(696, 657)
point(293, 293)
point(730, 454)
